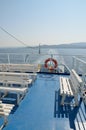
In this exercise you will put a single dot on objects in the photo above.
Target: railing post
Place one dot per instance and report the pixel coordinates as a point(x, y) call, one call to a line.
point(77, 65)
point(73, 62)
point(24, 58)
point(8, 59)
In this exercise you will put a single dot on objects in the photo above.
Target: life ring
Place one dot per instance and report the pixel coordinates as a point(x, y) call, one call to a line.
point(51, 67)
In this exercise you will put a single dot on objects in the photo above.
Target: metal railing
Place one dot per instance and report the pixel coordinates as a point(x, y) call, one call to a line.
point(67, 62)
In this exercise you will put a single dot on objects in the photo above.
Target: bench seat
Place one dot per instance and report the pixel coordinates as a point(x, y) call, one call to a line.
point(5, 110)
point(12, 89)
point(70, 86)
point(67, 89)
point(20, 92)
point(22, 79)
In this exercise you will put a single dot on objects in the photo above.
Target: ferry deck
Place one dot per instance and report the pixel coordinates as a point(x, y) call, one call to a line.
point(41, 108)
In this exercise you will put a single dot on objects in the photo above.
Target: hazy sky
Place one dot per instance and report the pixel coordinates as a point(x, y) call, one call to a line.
point(42, 21)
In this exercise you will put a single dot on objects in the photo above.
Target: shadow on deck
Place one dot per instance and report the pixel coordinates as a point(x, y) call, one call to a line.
point(67, 111)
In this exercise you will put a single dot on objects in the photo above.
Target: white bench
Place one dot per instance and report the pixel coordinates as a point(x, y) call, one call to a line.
point(19, 67)
point(22, 79)
point(19, 91)
point(70, 86)
point(15, 83)
point(5, 110)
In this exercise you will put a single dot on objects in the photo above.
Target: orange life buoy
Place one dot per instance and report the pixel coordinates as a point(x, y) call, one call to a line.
point(53, 61)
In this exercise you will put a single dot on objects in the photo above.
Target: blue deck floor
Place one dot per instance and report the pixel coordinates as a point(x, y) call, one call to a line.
point(40, 110)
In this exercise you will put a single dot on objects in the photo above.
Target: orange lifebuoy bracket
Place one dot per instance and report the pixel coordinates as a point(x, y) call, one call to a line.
point(51, 67)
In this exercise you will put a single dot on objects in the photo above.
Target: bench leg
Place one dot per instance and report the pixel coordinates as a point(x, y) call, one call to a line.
point(5, 120)
point(63, 98)
point(0, 95)
point(5, 123)
point(76, 99)
point(18, 98)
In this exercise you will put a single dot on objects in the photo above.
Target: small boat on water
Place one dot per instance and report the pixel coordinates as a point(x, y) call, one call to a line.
point(44, 96)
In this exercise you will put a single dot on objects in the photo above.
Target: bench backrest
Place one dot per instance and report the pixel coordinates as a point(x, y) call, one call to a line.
point(75, 80)
point(20, 79)
point(19, 67)
point(13, 76)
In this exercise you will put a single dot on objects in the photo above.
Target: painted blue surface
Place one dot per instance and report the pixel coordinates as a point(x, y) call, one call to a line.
point(40, 109)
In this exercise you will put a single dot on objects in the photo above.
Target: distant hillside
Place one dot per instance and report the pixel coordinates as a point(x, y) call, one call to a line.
point(72, 45)
point(21, 49)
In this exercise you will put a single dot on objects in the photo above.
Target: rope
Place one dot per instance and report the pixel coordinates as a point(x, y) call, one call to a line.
point(13, 36)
